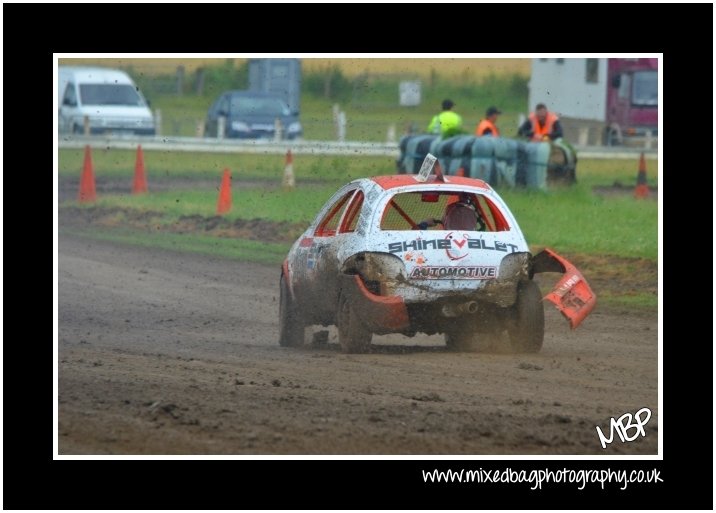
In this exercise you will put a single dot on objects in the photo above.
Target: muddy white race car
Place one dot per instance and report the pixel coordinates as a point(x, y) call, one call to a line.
point(422, 253)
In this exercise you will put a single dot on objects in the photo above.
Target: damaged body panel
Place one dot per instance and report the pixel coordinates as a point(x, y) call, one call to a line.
point(572, 295)
point(391, 254)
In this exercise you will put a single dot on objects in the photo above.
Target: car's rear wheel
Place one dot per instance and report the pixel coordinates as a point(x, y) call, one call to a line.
point(290, 328)
point(526, 330)
point(352, 335)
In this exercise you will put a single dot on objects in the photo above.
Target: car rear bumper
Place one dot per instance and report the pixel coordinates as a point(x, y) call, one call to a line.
point(380, 314)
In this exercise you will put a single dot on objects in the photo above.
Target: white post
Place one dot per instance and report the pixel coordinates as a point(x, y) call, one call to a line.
point(277, 130)
point(86, 126)
point(221, 127)
point(583, 137)
point(391, 133)
point(336, 111)
point(649, 140)
point(341, 126)
point(200, 128)
point(158, 121)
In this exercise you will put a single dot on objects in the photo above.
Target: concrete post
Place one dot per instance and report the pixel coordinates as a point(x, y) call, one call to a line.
point(391, 133)
point(583, 137)
point(342, 126)
point(158, 121)
point(220, 127)
point(277, 130)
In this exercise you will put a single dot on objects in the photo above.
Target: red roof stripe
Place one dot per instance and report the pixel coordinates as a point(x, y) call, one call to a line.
point(392, 181)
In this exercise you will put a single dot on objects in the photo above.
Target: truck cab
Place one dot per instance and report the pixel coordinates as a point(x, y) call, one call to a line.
point(632, 100)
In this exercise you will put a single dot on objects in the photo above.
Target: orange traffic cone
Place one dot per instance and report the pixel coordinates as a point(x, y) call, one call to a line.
point(289, 181)
point(224, 203)
point(140, 179)
point(641, 190)
point(460, 171)
point(87, 193)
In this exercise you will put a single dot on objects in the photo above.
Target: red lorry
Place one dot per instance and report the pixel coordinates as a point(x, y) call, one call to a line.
point(632, 99)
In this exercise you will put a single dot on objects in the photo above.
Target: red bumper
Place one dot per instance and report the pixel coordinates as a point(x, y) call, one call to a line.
point(380, 314)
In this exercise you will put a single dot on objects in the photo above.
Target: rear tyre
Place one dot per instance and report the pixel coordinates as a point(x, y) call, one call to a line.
point(290, 328)
point(352, 335)
point(526, 331)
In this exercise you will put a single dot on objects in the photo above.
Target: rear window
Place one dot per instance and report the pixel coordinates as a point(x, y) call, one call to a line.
point(470, 212)
point(110, 94)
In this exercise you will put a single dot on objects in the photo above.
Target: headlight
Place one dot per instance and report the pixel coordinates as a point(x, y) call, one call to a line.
point(294, 128)
point(239, 126)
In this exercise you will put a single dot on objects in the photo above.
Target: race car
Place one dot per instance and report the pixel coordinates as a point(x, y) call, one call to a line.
point(422, 253)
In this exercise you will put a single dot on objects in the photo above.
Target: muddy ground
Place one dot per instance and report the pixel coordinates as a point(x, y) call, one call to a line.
point(172, 353)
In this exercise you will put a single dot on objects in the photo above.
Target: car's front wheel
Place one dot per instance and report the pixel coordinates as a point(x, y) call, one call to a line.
point(352, 335)
point(290, 328)
point(526, 329)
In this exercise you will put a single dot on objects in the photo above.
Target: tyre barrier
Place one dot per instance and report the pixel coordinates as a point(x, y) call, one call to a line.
point(499, 161)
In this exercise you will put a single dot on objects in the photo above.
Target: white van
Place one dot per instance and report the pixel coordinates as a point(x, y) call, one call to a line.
point(108, 98)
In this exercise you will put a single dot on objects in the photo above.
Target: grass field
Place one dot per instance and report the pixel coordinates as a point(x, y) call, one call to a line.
point(574, 219)
point(160, 164)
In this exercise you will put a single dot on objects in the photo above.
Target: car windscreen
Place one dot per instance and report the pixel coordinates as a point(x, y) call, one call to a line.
point(110, 94)
point(256, 106)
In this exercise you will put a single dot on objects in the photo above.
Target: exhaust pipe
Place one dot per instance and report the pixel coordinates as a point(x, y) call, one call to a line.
point(455, 310)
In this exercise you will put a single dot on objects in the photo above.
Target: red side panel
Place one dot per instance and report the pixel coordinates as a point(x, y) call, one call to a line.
point(572, 296)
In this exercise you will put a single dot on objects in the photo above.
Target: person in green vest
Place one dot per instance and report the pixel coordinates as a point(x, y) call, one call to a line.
point(447, 123)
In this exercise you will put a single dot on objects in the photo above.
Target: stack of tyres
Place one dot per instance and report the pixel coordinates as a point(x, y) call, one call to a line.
point(562, 165)
point(506, 151)
point(454, 153)
point(482, 161)
point(537, 160)
point(413, 149)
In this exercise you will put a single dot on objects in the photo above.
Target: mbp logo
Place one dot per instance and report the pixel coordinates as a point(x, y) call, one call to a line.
point(622, 426)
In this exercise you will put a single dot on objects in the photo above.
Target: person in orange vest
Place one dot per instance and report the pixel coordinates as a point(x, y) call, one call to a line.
point(541, 125)
point(487, 126)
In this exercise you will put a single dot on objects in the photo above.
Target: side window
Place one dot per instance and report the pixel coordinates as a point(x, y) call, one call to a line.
point(491, 214)
point(70, 97)
point(329, 224)
point(350, 219)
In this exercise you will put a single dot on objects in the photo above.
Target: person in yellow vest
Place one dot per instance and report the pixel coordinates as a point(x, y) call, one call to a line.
point(447, 123)
point(488, 125)
point(541, 125)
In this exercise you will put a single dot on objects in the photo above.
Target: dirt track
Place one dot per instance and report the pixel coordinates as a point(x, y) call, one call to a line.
point(168, 353)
